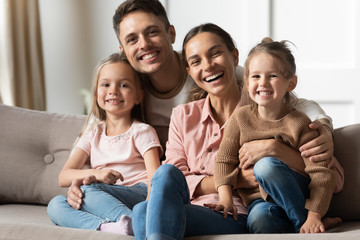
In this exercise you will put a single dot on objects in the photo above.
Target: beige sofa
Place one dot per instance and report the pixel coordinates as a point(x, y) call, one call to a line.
point(34, 146)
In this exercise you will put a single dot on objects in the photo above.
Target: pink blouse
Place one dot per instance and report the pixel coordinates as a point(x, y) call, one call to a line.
point(194, 140)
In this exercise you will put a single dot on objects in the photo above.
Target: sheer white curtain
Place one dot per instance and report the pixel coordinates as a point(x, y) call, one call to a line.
point(21, 60)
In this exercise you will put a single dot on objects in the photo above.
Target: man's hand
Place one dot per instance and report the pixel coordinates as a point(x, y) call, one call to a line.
point(320, 148)
point(74, 196)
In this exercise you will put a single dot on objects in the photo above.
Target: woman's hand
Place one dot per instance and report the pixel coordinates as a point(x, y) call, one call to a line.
point(249, 154)
point(253, 151)
point(74, 195)
point(206, 186)
point(320, 148)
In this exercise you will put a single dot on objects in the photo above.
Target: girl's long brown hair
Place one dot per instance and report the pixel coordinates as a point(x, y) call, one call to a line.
point(96, 112)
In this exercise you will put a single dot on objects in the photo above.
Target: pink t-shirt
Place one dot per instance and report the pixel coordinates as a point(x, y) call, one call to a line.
point(123, 153)
point(194, 140)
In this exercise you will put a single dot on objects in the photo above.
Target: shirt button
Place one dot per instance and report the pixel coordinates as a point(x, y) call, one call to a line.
point(202, 168)
point(209, 149)
point(215, 134)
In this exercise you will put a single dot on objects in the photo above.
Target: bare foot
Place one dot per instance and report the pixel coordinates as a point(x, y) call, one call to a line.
point(330, 222)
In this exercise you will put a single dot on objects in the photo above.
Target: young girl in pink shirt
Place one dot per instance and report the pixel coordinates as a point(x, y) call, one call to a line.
point(123, 152)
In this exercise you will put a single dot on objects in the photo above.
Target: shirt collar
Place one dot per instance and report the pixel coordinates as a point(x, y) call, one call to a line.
point(206, 112)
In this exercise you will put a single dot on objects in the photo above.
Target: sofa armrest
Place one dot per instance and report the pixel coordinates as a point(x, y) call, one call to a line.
point(345, 204)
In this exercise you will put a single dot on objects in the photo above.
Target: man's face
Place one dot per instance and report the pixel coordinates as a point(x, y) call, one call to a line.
point(145, 41)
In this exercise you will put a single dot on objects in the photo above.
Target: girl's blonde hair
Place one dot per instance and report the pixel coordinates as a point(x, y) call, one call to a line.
point(96, 112)
point(281, 52)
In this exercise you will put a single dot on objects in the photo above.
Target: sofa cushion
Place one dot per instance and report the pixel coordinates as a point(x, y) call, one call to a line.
point(34, 146)
point(347, 150)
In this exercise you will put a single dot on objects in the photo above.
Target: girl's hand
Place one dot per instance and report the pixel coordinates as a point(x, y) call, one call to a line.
point(313, 224)
point(225, 206)
point(320, 148)
point(108, 176)
point(226, 203)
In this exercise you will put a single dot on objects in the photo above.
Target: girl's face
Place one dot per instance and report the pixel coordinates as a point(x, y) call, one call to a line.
point(266, 85)
point(117, 89)
point(211, 64)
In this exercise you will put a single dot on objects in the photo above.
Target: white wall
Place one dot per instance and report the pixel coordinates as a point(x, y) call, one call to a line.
point(77, 34)
point(234, 16)
point(326, 34)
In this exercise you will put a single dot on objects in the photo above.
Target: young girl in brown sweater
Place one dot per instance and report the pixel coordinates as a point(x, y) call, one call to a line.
point(303, 189)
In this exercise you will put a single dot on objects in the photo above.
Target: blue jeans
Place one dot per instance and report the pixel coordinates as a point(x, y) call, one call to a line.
point(168, 213)
point(101, 203)
point(288, 190)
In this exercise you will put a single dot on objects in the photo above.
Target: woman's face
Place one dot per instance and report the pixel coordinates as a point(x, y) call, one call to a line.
point(211, 64)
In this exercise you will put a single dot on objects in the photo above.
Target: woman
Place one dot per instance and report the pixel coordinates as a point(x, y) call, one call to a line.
point(175, 206)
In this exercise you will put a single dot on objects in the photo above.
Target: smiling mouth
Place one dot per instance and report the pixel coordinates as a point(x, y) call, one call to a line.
point(264, 93)
point(114, 101)
point(214, 77)
point(149, 56)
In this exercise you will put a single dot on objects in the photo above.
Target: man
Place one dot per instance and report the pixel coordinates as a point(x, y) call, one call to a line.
point(146, 37)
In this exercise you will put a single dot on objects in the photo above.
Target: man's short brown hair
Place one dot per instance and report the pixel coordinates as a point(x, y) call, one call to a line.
point(129, 6)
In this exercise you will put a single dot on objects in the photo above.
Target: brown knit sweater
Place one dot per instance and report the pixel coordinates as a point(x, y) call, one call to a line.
point(246, 125)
